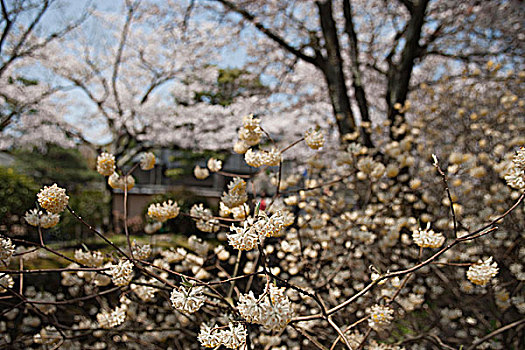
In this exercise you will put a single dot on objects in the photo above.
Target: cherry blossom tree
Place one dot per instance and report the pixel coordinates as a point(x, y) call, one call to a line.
point(370, 53)
point(25, 39)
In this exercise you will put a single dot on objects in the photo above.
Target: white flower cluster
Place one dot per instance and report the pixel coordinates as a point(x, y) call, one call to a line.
point(121, 182)
point(147, 161)
point(249, 134)
point(153, 227)
point(6, 281)
point(254, 230)
point(112, 318)
point(6, 250)
point(427, 238)
point(314, 138)
point(35, 217)
point(161, 213)
point(93, 259)
point(140, 251)
point(121, 273)
point(187, 299)
point(515, 176)
point(236, 195)
point(256, 159)
point(145, 293)
point(204, 218)
point(214, 165)
point(47, 336)
point(232, 336)
point(201, 173)
point(53, 199)
point(380, 316)
point(369, 167)
point(273, 313)
point(106, 164)
point(482, 272)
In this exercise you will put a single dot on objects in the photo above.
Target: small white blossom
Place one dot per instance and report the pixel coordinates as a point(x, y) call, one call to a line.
point(112, 318)
point(427, 238)
point(234, 337)
point(482, 272)
point(53, 199)
point(106, 164)
point(34, 217)
point(380, 316)
point(244, 238)
point(201, 173)
point(161, 213)
point(93, 259)
point(147, 161)
point(187, 299)
point(121, 182)
point(314, 138)
point(6, 250)
point(121, 273)
point(6, 281)
point(209, 336)
point(214, 165)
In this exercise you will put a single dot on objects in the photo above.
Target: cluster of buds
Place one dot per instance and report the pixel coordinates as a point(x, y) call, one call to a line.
point(187, 299)
point(380, 316)
point(236, 195)
point(124, 183)
point(53, 199)
point(48, 336)
point(6, 282)
point(273, 312)
point(369, 167)
point(106, 164)
point(314, 138)
point(145, 293)
point(255, 159)
point(204, 219)
point(112, 318)
point(232, 336)
point(214, 165)
point(37, 218)
point(93, 259)
point(249, 134)
point(140, 251)
point(147, 161)
point(515, 176)
point(482, 272)
point(255, 229)
point(427, 238)
point(6, 250)
point(168, 210)
point(121, 273)
point(200, 173)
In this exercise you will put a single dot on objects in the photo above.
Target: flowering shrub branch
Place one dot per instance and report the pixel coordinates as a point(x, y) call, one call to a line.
point(270, 278)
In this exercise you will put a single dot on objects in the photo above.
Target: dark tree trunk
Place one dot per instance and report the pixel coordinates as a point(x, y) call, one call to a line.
point(399, 74)
point(332, 68)
point(357, 82)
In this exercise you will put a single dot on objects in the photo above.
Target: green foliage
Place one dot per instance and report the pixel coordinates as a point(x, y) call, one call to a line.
point(93, 206)
point(67, 167)
point(17, 193)
point(231, 83)
point(187, 159)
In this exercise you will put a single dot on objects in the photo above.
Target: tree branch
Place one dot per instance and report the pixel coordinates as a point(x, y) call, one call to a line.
point(269, 33)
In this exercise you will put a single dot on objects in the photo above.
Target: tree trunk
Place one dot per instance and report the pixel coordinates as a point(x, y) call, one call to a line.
point(332, 68)
point(399, 74)
point(357, 82)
